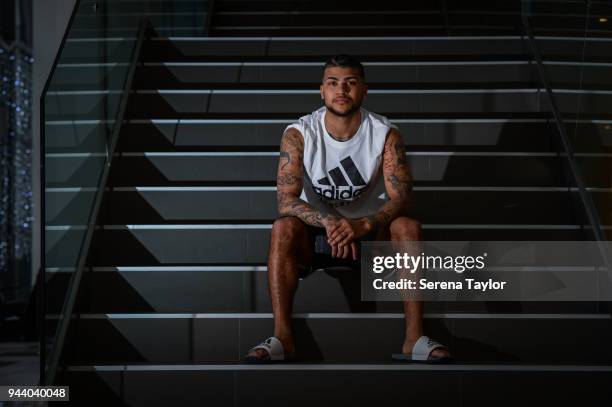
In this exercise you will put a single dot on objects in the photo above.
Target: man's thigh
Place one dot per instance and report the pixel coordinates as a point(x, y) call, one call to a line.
point(300, 235)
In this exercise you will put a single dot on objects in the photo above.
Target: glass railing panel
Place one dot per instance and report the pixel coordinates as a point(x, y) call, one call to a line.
point(80, 108)
point(82, 105)
point(593, 128)
point(575, 79)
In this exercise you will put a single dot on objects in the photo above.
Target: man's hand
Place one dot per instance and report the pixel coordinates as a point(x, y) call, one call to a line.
point(345, 251)
point(342, 233)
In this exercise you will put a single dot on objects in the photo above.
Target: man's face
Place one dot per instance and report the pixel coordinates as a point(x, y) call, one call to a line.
point(343, 90)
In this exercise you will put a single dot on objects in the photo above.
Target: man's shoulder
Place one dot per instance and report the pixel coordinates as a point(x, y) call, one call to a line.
point(312, 117)
point(307, 123)
point(378, 120)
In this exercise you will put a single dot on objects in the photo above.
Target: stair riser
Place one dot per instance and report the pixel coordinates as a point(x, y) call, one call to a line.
point(336, 340)
point(483, 19)
point(187, 247)
point(430, 170)
point(176, 291)
point(446, 135)
point(170, 105)
point(435, 207)
point(181, 105)
point(333, 388)
point(209, 246)
point(181, 76)
point(165, 50)
point(190, 50)
point(177, 77)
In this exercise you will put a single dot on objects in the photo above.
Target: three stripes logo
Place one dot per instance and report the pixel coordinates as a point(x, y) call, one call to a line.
point(339, 187)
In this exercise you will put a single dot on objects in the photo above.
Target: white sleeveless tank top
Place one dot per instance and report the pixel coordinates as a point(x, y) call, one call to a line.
point(344, 176)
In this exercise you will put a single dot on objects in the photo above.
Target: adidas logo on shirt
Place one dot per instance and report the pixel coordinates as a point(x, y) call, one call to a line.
point(339, 187)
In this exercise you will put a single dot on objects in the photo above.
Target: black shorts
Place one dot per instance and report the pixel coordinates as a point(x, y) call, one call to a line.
point(322, 250)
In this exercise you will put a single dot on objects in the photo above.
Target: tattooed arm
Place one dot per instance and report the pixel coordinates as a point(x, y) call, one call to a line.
point(290, 179)
point(398, 182)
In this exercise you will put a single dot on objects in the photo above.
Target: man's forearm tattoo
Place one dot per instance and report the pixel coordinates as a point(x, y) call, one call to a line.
point(389, 211)
point(398, 182)
point(287, 180)
point(402, 186)
point(400, 152)
point(289, 205)
point(284, 156)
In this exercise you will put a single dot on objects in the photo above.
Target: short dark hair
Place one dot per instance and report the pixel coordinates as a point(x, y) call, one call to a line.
point(345, 61)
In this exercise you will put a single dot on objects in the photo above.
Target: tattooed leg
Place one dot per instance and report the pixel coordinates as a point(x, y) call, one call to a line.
point(289, 247)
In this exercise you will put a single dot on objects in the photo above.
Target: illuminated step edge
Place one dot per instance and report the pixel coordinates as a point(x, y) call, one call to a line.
point(337, 315)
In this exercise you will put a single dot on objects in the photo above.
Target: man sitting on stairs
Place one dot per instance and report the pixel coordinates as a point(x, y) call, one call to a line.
point(342, 174)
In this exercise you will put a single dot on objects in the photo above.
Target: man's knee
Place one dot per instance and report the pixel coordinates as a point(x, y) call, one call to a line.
point(288, 229)
point(404, 228)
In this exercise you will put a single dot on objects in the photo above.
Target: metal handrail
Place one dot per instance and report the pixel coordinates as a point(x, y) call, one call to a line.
point(585, 197)
point(74, 283)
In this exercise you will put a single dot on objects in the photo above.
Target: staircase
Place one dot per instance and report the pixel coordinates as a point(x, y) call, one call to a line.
point(175, 290)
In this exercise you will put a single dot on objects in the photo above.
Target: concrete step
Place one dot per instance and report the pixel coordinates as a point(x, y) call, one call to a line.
point(186, 49)
point(456, 135)
point(473, 7)
point(433, 205)
point(244, 289)
point(172, 104)
point(454, 169)
point(195, 75)
point(193, 103)
point(248, 204)
point(171, 75)
point(259, 168)
point(470, 133)
point(352, 338)
point(423, 24)
point(333, 385)
point(315, 49)
point(221, 48)
point(185, 75)
point(425, 134)
point(206, 244)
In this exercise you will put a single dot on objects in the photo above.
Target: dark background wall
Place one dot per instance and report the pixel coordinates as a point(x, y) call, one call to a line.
point(15, 155)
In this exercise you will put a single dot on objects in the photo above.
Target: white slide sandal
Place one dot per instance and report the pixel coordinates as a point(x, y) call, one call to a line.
point(421, 352)
point(274, 349)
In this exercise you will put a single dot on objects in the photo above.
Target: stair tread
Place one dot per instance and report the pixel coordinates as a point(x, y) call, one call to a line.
point(590, 367)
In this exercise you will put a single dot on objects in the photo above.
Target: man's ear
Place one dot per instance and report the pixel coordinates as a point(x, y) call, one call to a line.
point(365, 90)
point(321, 91)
